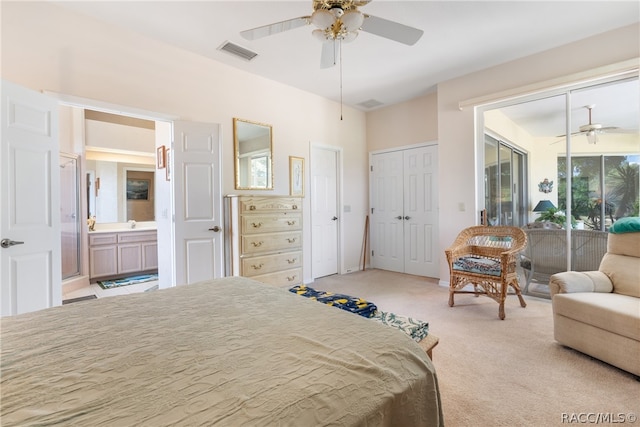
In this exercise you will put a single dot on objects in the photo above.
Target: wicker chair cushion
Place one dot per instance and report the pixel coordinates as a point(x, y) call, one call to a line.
point(472, 264)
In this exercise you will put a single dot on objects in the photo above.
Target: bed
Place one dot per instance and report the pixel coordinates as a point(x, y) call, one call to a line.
point(229, 352)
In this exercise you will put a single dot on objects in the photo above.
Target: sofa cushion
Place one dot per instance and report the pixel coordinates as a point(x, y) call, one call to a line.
point(474, 264)
point(624, 244)
point(609, 311)
point(624, 272)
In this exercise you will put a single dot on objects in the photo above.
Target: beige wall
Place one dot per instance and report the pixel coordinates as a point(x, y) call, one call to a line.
point(408, 123)
point(46, 47)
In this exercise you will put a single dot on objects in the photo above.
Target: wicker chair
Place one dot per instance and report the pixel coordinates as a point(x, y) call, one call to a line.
point(486, 257)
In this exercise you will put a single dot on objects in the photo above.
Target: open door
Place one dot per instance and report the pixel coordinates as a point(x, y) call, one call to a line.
point(196, 184)
point(30, 264)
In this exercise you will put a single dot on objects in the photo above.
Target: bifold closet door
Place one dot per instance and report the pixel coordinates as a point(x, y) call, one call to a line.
point(404, 211)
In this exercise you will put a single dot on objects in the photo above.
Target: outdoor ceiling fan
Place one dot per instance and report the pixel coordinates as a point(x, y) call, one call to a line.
point(591, 130)
point(339, 21)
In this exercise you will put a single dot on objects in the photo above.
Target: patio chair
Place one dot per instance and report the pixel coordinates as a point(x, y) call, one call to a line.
point(486, 258)
point(546, 253)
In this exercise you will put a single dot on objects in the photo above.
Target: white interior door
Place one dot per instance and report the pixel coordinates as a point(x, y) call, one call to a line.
point(387, 202)
point(30, 264)
point(420, 211)
point(324, 211)
point(196, 181)
point(404, 211)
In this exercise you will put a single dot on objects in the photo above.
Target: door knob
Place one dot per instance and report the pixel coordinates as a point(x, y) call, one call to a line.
point(407, 218)
point(215, 228)
point(334, 218)
point(5, 243)
point(398, 217)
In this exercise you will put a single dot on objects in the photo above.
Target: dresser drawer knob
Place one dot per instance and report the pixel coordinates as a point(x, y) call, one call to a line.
point(252, 207)
point(257, 267)
point(294, 207)
point(291, 240)
point(291, 278)
point(291, 223)
point(258, 225)
point(292, 261)
point(257, 244)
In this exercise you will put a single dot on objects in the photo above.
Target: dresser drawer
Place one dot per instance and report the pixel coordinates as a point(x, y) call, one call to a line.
point(257, 265)
point(270, 204)
point(252, 224)
point(259, 243)
point(137, 236)
point(103, 239)
point(282, 279)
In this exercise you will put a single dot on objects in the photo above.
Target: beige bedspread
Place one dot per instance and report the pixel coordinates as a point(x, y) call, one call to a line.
point(230, 352)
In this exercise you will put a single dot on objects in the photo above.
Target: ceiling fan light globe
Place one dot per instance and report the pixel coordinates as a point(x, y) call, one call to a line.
point(352, 20)
point(349, 37)
point(592, 137)
point(322, 19)
point(320, 35)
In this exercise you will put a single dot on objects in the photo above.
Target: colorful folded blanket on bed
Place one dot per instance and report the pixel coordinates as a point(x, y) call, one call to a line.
point(344, 302)
point(416, 329)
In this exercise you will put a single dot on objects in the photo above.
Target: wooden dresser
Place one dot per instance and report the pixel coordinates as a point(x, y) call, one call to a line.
point(264, 238)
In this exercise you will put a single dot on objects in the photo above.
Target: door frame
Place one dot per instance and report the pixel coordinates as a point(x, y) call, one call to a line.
point(122, 110)
point(339, 204)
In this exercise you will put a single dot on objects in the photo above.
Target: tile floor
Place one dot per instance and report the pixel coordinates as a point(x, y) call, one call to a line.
point(95, 289)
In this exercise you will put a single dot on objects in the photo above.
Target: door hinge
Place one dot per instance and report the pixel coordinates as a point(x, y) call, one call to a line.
point(372, 211)
point(371, 168)
point(373, 253)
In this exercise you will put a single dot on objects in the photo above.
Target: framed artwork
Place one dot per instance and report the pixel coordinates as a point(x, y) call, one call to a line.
point(167, 159)
point(296, 176)
point(137, 189)
point(161, 157)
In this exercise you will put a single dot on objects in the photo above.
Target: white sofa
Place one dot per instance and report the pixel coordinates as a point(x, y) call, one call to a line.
point(598, 312)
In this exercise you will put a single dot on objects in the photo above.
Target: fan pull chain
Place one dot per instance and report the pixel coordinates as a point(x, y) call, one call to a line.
point(340, 79)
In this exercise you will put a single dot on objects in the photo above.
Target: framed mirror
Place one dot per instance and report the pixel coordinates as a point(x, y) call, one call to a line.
point(253, 150)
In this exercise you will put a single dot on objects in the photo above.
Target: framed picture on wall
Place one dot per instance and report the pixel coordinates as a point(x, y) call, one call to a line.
point(161, 157)
point(137, 189)
point(296, 176)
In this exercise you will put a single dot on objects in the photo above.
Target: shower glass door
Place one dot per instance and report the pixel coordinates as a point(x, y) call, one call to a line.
point(69, 215)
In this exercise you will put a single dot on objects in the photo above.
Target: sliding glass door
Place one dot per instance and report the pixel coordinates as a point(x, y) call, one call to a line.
point(505, 183)
point(575, 151)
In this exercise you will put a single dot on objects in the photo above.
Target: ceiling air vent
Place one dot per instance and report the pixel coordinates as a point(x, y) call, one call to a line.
point(371, 103)
point(239, 51)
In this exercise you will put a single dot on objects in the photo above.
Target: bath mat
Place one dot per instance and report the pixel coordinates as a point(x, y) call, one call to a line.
point(109, 284)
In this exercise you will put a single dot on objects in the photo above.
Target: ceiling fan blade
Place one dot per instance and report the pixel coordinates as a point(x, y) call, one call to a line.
point(391, 30)
point(330, 54)
point(580, 132)
point(275, 28)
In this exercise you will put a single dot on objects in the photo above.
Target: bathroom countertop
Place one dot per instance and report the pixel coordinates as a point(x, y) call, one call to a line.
point(124, 227)
point(122, 230)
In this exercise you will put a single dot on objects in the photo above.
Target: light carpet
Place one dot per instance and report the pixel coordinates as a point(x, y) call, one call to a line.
point(496, 372)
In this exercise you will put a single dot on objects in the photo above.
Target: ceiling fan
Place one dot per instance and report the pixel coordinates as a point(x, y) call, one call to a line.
point(339, 21)
point(591, 130)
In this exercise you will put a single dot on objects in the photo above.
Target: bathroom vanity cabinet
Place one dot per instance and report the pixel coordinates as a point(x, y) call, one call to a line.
point(122, 253)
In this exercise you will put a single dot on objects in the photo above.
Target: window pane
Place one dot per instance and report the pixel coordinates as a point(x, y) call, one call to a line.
point(491, 182)
point(506, 206)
